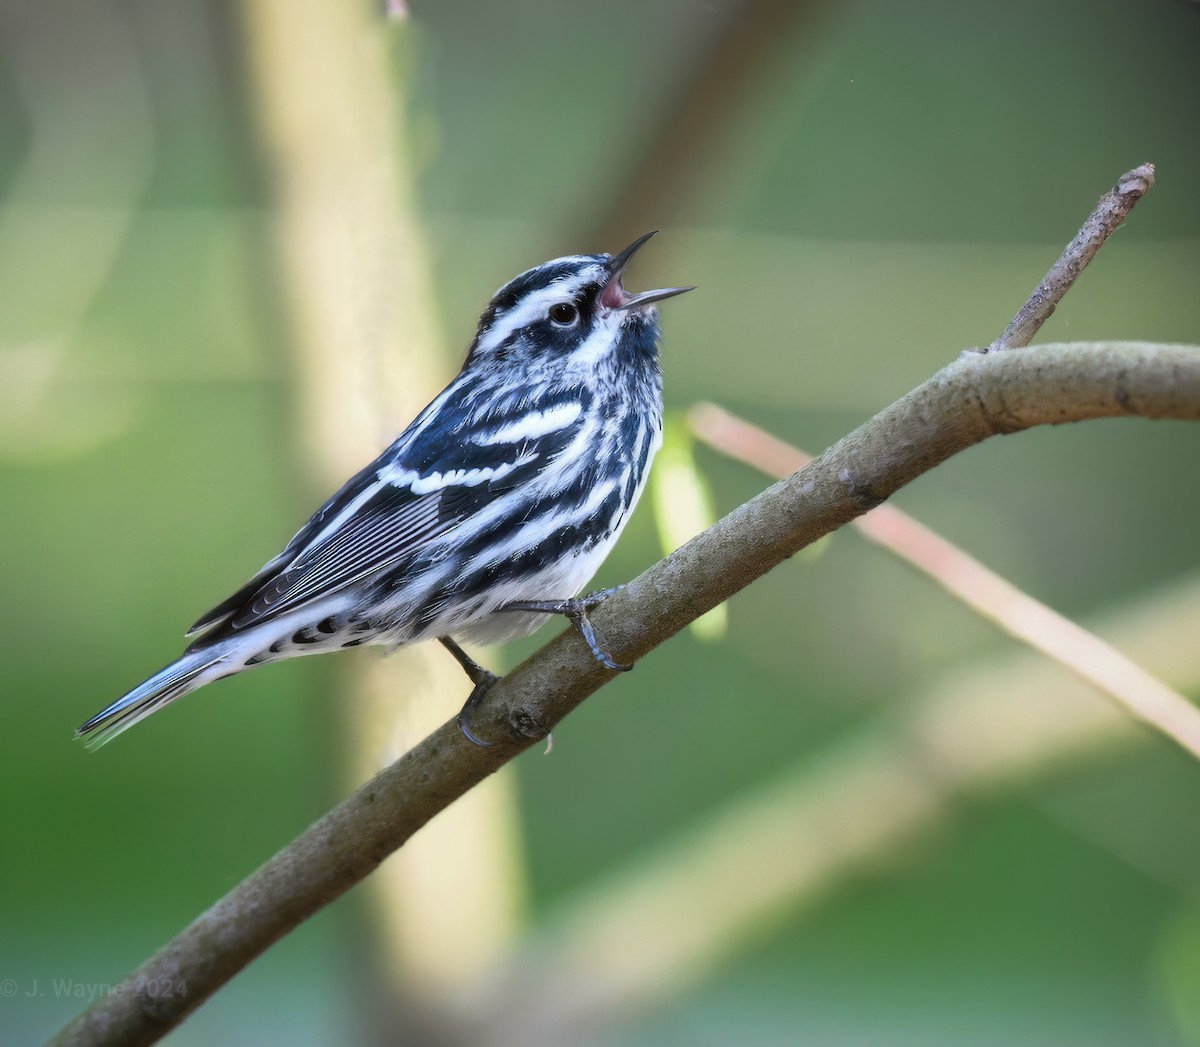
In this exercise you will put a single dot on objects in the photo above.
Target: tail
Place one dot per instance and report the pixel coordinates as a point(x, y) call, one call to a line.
point(177, 679)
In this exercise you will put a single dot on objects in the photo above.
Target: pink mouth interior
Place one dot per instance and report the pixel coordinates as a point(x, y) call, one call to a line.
point(614, 295)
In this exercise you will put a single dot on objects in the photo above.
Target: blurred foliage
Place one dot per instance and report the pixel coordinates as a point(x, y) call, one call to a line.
point(897, 179)
point(683, 507)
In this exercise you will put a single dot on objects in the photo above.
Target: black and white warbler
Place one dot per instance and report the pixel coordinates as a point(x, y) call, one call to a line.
point(489, 512)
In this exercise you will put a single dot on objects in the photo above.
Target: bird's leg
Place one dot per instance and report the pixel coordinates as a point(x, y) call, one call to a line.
point(576, 609)
point(482, 679)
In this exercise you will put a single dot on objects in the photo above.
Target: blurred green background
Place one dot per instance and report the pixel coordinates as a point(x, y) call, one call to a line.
point(866, 189)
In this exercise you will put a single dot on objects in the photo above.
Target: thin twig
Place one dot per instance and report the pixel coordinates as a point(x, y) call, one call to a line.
point(1109, 212)
point(975, 397)
point(1139, 692)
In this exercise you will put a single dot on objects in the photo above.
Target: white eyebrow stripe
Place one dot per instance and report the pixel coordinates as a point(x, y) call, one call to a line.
point(534, 424)
point(582, 260)
point(536, 304)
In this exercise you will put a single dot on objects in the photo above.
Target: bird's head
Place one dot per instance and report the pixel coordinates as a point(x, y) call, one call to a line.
point(570, 314)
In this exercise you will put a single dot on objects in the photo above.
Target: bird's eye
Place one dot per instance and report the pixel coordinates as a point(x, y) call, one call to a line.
point(564, 313)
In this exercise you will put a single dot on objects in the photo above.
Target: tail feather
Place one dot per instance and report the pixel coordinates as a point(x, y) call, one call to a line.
point(177, 679)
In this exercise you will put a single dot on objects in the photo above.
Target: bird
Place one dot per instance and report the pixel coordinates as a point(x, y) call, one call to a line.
point(485, 516)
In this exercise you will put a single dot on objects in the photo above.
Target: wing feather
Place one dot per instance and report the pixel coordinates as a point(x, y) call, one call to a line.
point(427, 483)
point(354, 488)
point(392, 525)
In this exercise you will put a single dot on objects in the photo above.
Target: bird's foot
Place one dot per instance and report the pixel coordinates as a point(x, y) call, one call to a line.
point(576, 609)
point(482, 678)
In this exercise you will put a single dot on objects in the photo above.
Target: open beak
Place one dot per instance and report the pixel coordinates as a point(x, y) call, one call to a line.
point(614, 296)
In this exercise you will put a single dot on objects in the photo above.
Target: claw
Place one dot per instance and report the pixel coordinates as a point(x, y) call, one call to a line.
point(464, 718)
point(576, 609)
point(483, 680)
point(583, 623)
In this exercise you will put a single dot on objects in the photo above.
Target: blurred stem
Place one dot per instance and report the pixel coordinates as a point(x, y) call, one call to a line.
point(355, 275)
point(653, 192)
point(58, 247)
point(1016, 612)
